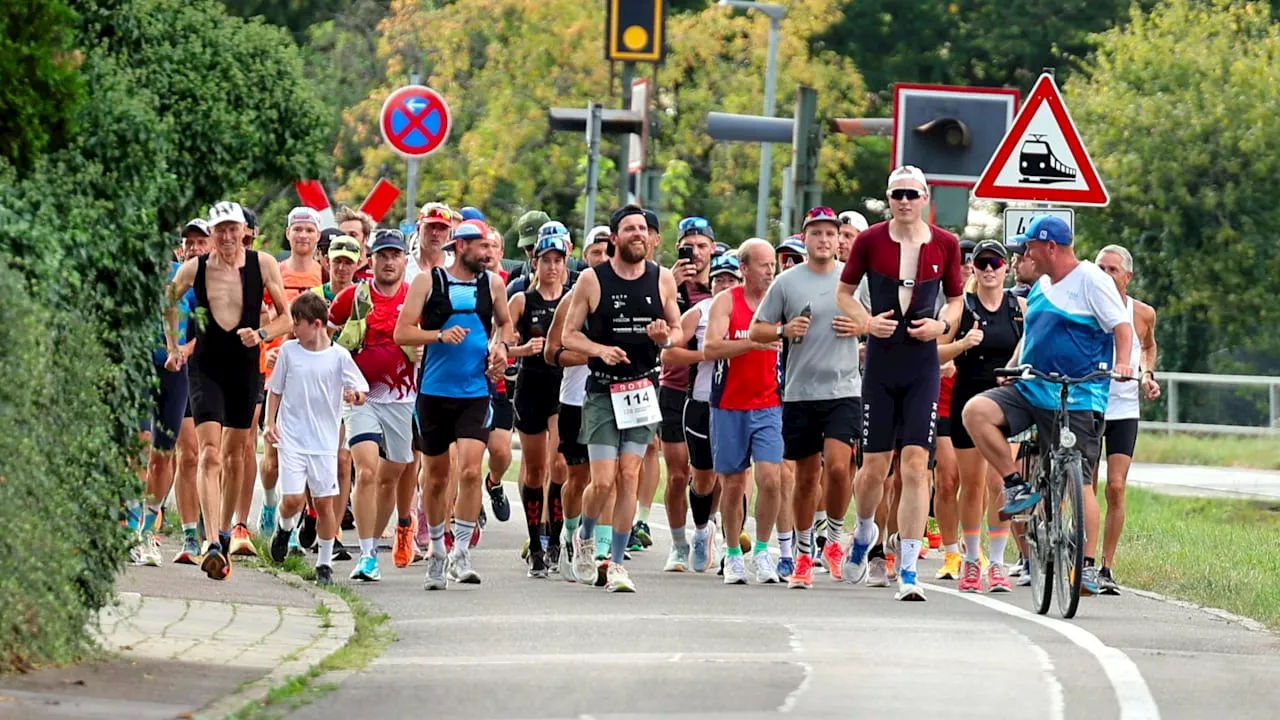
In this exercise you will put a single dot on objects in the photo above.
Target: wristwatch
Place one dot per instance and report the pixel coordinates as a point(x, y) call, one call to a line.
point(262, 334)
point(667, 345)
point(946, 327)
point(780, 329)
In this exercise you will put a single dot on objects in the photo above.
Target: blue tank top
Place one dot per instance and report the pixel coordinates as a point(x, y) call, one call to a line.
point(185, 303)
point(458, 371)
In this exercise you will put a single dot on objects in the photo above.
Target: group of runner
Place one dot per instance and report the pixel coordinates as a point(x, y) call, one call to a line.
point(850, 365)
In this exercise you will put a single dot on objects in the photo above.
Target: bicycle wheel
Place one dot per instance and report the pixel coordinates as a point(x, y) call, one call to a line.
point(1068, 490)
point(1040, 547)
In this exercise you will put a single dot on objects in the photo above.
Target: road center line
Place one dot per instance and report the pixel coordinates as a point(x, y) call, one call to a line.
point(1132, 693)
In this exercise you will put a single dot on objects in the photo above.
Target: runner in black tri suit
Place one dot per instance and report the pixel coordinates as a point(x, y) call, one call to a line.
point(629, 308)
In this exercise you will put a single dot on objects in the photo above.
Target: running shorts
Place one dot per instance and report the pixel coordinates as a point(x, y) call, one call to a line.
point(1019, 414)
point(570, 423)
point(442, 421)
point(697, 433)
point(807, 424)
point(740, 437)
point(671, 404)
point(304, 471)
point(390, 425)
point(536, 401)
point(1121, 437)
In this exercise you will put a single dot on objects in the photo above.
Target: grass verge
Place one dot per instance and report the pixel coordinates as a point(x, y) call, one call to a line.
point(1213, 552)
point(1212, 450)
point(371, 637)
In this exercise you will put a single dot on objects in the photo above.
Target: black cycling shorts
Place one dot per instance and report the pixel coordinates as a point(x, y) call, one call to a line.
point(570, 423)
point(168, 398)
point(697, 433)
point(442, 421)
point(1120, 437)
point(671, 404)
point(504, 417)
point(806, 424)
point(961, 396)
point(225, 395)
point(900, 397)
point(537, 400)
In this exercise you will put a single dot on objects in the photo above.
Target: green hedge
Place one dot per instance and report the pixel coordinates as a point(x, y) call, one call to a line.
point(62, 475)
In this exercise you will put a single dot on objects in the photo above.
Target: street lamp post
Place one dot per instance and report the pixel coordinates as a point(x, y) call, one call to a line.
point(775, 13)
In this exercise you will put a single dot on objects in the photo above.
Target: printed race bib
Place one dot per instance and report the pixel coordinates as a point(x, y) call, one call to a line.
point(634, 404)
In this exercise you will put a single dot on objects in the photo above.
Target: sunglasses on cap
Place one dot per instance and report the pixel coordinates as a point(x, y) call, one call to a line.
point(823, 213)
point(988, 262)
point(551, 243)
point(725, 263)
point(346, 243)
point(905, 194)
point(695, 226)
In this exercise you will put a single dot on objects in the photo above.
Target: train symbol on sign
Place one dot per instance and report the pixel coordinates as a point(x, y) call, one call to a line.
point(1037, 163)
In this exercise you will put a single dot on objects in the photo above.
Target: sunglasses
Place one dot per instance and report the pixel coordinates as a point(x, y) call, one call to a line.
point(822, 212)
point(905, 194)
point(988, 262)
point(694, 226)
point(725, 262)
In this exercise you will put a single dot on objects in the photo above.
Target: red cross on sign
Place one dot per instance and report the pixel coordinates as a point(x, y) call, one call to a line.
point(415, 121)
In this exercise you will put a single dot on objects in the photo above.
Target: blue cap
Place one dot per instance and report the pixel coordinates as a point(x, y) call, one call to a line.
point(730, 264)
point(383, 239)
point(470, 213)
point(1046, 227)
point(794, 244)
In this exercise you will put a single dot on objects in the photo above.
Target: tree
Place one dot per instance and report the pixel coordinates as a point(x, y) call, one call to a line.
point(1174, 110)
point(41, 89)
point(503, 63)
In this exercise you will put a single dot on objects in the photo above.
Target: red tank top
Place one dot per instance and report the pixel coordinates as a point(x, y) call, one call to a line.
point(748, 381)
point(944, 396)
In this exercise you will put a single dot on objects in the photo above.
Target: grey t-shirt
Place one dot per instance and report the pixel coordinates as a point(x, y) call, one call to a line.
point(823, 367)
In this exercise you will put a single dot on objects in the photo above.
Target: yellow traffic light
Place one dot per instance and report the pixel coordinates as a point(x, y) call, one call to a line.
point(634, 30)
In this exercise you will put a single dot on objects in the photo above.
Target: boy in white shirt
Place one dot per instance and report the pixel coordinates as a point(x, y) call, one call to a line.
point(311, 380)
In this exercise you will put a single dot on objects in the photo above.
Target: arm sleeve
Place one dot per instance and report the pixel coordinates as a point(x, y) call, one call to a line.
point(773, 305)
point(1103, 300)
point(340, 311)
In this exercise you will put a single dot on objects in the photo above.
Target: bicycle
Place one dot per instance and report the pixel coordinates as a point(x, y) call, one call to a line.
point(1055, 526)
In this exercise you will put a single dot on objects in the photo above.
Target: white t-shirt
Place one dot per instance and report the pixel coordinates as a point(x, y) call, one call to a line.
point(310, 385)
point(707, 368)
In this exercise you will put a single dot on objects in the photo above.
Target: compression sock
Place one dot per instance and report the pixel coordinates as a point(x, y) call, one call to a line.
point(604, 540)
point(618, 548)
point(700, 506)
point(532, 499)
point(556, 517)
point(784, 543)
point(570, 527)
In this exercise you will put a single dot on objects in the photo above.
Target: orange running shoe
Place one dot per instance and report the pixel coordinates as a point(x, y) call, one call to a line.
point(802, 578)
point(833, 554)
point(891, 565)
point(242, 541)
point(402, 547)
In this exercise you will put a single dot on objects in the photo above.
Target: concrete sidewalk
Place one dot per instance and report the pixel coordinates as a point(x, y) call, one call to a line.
point(1200, 481)
point(182, 645)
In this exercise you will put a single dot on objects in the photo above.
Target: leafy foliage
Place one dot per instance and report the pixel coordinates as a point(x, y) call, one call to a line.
point(1190, 150)
point(35, 48)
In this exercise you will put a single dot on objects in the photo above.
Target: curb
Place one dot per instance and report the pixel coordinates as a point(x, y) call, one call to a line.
point(330, 640)
point(1220, 614)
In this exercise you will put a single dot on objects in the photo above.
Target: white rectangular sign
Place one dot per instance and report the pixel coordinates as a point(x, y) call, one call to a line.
point(1016, 220)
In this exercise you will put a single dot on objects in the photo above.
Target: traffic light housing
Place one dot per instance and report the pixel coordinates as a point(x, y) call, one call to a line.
point(612, 122)
point(635, 30)
point(950, 132)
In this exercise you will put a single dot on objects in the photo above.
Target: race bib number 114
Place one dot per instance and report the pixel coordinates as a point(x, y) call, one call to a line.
point(634, 403)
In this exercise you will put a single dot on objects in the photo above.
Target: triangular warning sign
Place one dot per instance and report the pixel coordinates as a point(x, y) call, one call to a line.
point(1042, 158)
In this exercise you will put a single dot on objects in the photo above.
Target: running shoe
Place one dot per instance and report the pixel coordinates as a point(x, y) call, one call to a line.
point(483, 519)
point(366, 569)
point(553, 559)
point(565, 563)
point(267, 521)
point(765, 573)
point(584, 562)
point(950, 569)
point(735, 570)
point(1018, 499)
point(190, 552)
point(633, 541)
point(216, 565)
point(642, 532)
point(702, 555)
point(997, 580)
point(436, 576)
point(833, 557)
point(340, 551)
point(307, 533)
point(295, 547)
point(802, 578)
point(402, 546)
point(475, 534)
point(891, 565)
point(324, 575)
point(422, 536)
point(1107, 585)
point(970, 578)
point(855, 563)
point(138, 553)
point(242, 541)
point(348, 518)
point(678, 559)
point(786, 568)
point(497, 499)
point(877, 574)
point(1089, 582)
point(538, 564)
point(617, 580)
point(602, 572)
point(908, 590)
point(279, 548)
point(932, 535)
point(460, 569)
point(1024, 576)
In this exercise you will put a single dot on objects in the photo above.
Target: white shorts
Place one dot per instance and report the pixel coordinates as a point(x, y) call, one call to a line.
point(300, 471)
point(388, 424)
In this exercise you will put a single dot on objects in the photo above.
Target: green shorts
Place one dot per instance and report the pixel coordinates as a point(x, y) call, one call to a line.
point(599, 429)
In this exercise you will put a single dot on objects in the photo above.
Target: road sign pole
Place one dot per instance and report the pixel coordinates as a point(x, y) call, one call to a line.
point(766, 149)
point(624, 147)
point(593, 166)
point(805, 144)
point(411, 176)
point(788, 205)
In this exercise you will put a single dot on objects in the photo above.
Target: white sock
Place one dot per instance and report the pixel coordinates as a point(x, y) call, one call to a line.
point(804, 538)
point(996, 542)
point(952, 548)
point(188, 526)
point(437, 539)
point(909, 555)
point(784, 543)
point(271, 497)
point(835, 529)
point(326, 553)
point(368, 546)
point(287, 524)
point(865, 533)
point(701, 533)
point(462, 530)
point(678, 537)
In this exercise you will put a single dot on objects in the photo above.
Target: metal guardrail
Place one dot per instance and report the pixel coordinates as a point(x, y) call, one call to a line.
point(1171, 424)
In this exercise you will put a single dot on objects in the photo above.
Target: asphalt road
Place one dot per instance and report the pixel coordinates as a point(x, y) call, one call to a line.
point(687, 646)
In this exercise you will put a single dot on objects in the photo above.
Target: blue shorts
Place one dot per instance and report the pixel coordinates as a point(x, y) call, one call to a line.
point(168, 401)
point(739, 437)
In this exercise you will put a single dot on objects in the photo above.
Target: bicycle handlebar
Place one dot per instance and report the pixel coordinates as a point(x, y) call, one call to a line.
point(1026, 372)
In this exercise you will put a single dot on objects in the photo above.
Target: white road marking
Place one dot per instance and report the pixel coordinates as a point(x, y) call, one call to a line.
point(1057, 701)
point(1132, 693)
point(789, 702)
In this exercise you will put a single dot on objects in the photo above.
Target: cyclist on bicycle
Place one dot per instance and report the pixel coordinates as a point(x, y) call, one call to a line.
point(1075, 321)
